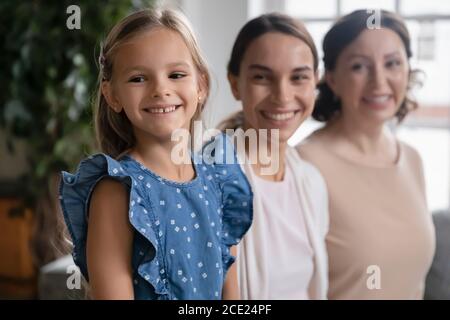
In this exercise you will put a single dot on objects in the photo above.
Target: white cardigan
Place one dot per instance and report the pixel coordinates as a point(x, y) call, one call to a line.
point(252, 256)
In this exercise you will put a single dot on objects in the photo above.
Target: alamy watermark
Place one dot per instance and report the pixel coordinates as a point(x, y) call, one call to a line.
point(74, 20)
point(374, 279)
point(374, 20)
point(251, 147)
point(73, 281)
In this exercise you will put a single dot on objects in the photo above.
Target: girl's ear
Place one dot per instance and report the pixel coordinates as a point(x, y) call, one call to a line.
point(202, 88)
point(113, 103)
point(233, 80)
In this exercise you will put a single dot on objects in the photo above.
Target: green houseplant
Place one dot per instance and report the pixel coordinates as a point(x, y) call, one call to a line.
point(48, 76)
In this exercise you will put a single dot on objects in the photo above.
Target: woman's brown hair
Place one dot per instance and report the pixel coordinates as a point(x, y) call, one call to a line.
point(341, 34)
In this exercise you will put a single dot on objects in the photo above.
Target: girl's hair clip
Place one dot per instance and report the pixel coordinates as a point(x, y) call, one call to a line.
point(101, 60)
point(101, 57)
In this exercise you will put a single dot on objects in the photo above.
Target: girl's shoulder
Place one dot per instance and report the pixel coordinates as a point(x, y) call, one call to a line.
point(75, 192)
point(220, 162)
point(91, 169)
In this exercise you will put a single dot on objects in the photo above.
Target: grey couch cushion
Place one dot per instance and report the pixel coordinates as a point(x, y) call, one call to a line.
point(438, 278)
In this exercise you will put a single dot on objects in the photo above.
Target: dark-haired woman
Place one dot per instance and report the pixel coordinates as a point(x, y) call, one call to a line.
point(381, 238)
point(273, 72)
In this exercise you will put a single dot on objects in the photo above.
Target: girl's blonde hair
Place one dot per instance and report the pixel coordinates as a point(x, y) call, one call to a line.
point(114, 132)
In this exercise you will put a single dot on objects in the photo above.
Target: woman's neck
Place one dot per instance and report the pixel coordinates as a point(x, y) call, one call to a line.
point(270, 157)
point(369, 141)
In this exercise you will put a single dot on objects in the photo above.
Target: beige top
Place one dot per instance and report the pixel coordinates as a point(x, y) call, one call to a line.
point(381, 237)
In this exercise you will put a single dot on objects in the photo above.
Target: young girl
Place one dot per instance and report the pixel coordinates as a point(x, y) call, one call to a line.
point(142, 226)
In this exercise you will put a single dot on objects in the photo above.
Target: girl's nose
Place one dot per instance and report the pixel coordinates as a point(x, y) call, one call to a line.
point(160, 89)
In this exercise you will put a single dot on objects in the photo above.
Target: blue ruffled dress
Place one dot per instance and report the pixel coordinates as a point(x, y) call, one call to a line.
point(182, 231)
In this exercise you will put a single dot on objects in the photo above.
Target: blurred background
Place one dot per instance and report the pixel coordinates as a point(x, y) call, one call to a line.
point(48, 75)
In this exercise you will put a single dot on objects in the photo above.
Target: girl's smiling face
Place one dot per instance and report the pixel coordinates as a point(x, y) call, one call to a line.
point(155, 82)
point(276, 83)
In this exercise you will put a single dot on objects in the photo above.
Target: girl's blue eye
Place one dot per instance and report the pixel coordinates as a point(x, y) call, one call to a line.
point(137, 79)
point(177, 75)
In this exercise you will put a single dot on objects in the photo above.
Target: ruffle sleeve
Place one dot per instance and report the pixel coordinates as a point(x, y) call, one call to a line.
point(74, 195)
point(236, 194)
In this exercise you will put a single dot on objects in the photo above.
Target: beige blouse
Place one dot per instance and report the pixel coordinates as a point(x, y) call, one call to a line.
point(381, 238)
